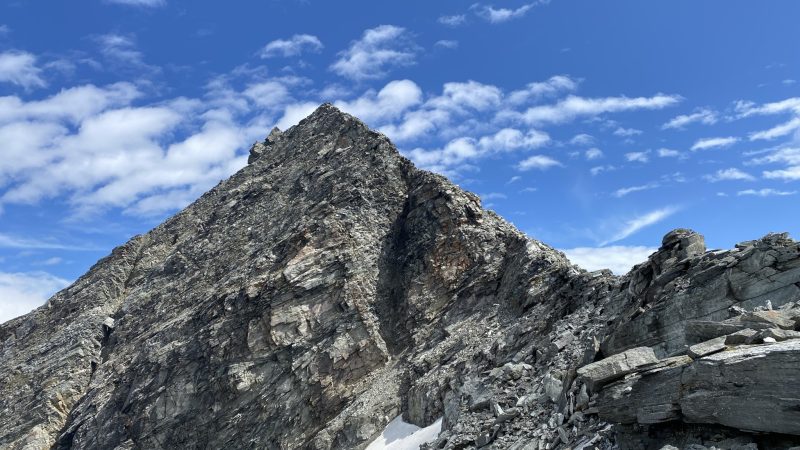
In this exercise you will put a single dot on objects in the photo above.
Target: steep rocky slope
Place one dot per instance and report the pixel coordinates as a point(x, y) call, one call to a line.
point(329, 286)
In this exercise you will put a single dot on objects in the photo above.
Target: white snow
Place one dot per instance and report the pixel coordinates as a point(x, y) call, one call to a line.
point(399, 435)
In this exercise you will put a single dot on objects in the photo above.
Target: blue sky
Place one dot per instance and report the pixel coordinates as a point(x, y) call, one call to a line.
point(595, 126)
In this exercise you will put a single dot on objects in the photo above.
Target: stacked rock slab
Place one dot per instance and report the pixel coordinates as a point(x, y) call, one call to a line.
point(330, 286)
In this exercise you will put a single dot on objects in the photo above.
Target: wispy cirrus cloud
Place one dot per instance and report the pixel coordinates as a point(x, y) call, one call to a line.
point(574, 107)
point(704, 116)
point(731, 174)
point(630, 226)
point(766, 192)
point(716, 142)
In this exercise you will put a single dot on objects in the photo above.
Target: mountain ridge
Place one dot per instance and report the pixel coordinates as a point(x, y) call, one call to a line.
point(330, 286)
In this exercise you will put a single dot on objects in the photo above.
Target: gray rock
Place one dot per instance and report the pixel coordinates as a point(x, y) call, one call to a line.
point(708, 347)
point(616, 366)
point(745, 388)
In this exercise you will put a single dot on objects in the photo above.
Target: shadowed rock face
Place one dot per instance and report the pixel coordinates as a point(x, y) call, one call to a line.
point(328, 287)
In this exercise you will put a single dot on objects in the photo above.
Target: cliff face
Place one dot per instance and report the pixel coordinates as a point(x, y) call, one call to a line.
point(329, 286)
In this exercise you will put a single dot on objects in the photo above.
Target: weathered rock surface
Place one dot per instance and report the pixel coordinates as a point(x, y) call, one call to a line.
point(330, 285)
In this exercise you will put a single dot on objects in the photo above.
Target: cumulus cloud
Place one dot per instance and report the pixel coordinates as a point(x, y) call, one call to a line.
point(641, 157)
point(627, 132)
point(388, 103)
point(379, 50)
point(617, 258)
point(540, 162)
point(459, 151)
point(728, 175)
point(630, 226)
point(500, 15)
point(293, 46)
point(593, 153)
point(22, 292)
point(717, 142)
point(555, 85)
point(20, 68)
point(446, 43)
point(668, 153)
point(704, 115)
point(454, 20)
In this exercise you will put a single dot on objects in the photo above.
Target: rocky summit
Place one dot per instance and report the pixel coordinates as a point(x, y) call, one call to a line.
point(330, 286)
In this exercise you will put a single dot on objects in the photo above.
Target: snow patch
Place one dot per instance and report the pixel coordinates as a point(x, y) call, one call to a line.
point(400, 435)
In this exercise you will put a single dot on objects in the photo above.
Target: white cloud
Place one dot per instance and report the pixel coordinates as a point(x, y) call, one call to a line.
point(788, 82)
point(573, 107)
point(541, 162)
point(22, 292)
point(10, 241)
point(619, 193)
point(641, 157)
point(718, 142)
point(728, 175)
point(293, 46)
point(668, 153)
point(627, 132)
point(500, 15)
point(4, 29)
point(461, 150)
point(555, 85)
point(618, 258)
point(492, 196)
point(379, 50)
point(597, 170)
point(582, 139)
point(454, 20)
point(746, 109)
point(593, 153)
point(457, 96)
point(766, 192)
point(777, 131)
point(390, 102)
point(790, 173)
point(787, 155)
point(141, 3)
point(633, 225)
point(446, 43)
point(704, 116)
point(19, 68)
point(294, 113)
point(513, 179)
point(509, 139)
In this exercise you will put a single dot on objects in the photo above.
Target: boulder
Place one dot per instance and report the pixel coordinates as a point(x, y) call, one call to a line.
point(616, 366)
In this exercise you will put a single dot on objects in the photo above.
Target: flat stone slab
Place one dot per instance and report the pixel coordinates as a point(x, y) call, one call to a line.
point(616, 366)
point(708, 347)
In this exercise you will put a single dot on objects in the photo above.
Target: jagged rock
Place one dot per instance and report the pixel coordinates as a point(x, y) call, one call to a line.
point(746, 388)
point(616, 366)
point(778, 334)
point(741, 337)
point(330, 286)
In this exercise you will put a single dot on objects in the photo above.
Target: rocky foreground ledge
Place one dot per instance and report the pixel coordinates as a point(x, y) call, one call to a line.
point(330, 286)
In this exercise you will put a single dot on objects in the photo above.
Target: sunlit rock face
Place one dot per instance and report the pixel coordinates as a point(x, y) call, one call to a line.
point(330, 286)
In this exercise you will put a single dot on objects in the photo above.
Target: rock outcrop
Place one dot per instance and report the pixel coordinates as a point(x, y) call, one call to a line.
point(330, 286)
